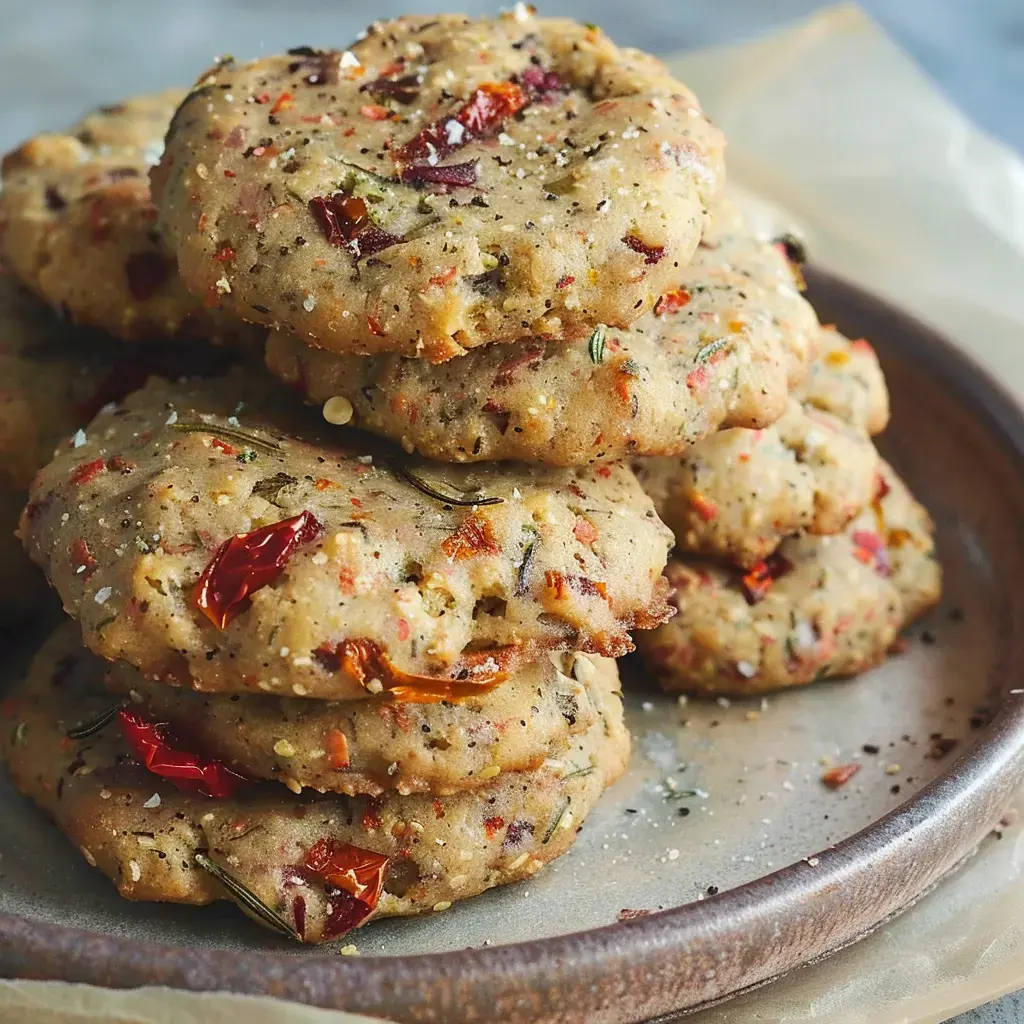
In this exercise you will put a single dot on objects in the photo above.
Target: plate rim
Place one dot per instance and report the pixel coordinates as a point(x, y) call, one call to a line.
point(682, 958)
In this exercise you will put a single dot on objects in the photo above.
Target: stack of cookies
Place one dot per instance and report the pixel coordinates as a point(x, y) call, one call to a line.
point(349, 625)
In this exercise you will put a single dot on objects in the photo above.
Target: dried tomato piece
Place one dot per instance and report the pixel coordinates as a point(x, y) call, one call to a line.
point(483, 114)
point(188, 772)
point(473, 537)
point(82, 558)
point(248, 561)
point(457, 175)
point(86, 471)
point(337, 749)
point(366, 662)
point(345, 221)
point(354, 879)
point(870, 548)
point(651, 253)
point(542, 86)
point(758, 581)
point(403, 90)
point(146, 272)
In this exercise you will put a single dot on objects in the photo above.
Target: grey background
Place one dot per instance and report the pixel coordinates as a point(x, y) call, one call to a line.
point(59, 58)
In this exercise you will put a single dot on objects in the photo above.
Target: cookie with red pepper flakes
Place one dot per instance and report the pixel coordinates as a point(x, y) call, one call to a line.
point(443, 184)
point(206, 535)
point(78, 227)
point(377, 746)
point(720, 349)
point(310, 867)
point(819, 607)
point(739, 493)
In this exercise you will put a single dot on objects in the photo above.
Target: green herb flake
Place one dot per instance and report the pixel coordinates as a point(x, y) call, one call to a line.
point(596, 346)
point(229, 434)
point(705, 353)
point(249, 455)
point(556, 821)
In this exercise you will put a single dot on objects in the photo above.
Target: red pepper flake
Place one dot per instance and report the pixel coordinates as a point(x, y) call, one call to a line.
point(492, 826)
point(375, 326)
point(248, 561)
point(882, 487)
point(651, 253)
point(672, 301)
point(346, 580)
point(697, 379)
point(603, 471)
point(758, 581)
point(491, 104)
point(119, 464)
point(473, 537)
point(438, 809)
point(366, 661)
point(584, 531)
point(223, 446)
point(403, 630)
point(542, 86)
point(225, 254)
point(446, 278)
point(560, 583)
point(375, 112)
point(565, 280)
point(840, 775)
point(229, 174)
point(354, 879)
point(264, 97)
point(283, 102)
point(146, 273)
point(707, 510)
point(82, 559)
point(870, 548)
point(371, 817)
point(337, 749)
point(188, 772)
point(863, 346)
point(86, 471)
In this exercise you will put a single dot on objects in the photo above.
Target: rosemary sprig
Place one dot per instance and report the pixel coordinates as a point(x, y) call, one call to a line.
point(524, 568)
point(596, 345)
point(228, 434)
point(559, 815)
point(247, 899)
point(94, 725)
point(421, 485)
point(705, 353)
point(579, 773)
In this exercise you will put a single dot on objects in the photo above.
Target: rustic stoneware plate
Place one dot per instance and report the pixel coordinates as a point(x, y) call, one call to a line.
point(759, 870)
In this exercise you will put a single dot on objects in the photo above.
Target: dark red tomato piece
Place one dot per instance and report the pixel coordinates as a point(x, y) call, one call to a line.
point(189, 772)
point(354, 879)
point(248, 561)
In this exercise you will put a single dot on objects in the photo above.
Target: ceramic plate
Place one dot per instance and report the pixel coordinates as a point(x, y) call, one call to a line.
point(760, 870)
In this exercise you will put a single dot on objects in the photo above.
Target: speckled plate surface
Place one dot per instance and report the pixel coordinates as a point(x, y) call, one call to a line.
point(759, 870)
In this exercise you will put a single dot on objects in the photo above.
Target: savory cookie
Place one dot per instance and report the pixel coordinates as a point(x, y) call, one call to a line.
point(721, 348)
point(738, 493)
point(198, 538)
point(379, 745)
point(846, 381)
point(78, 227)
point(443, 184)
point(819, 607)
point(311, 867)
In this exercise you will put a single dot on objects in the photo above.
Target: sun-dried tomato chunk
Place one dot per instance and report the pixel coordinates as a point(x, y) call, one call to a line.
point(651, 253)
point(483, 114)
point(188, 772)
point(345, 221)
point(248, 561)
point(354, 879)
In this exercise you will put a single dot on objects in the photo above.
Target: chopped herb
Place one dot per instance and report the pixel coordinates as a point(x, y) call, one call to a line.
point(216, 430)
point(247, 899)
point(269, 489)
point(524, 568)
point(421, 485)
point(559, 815)
point(705, 353)
point(596, 347)
point(94, 725)
point(247, 456)
point(579, 773)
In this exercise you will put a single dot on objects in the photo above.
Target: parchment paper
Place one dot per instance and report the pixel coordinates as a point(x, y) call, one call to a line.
point(897, 191)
